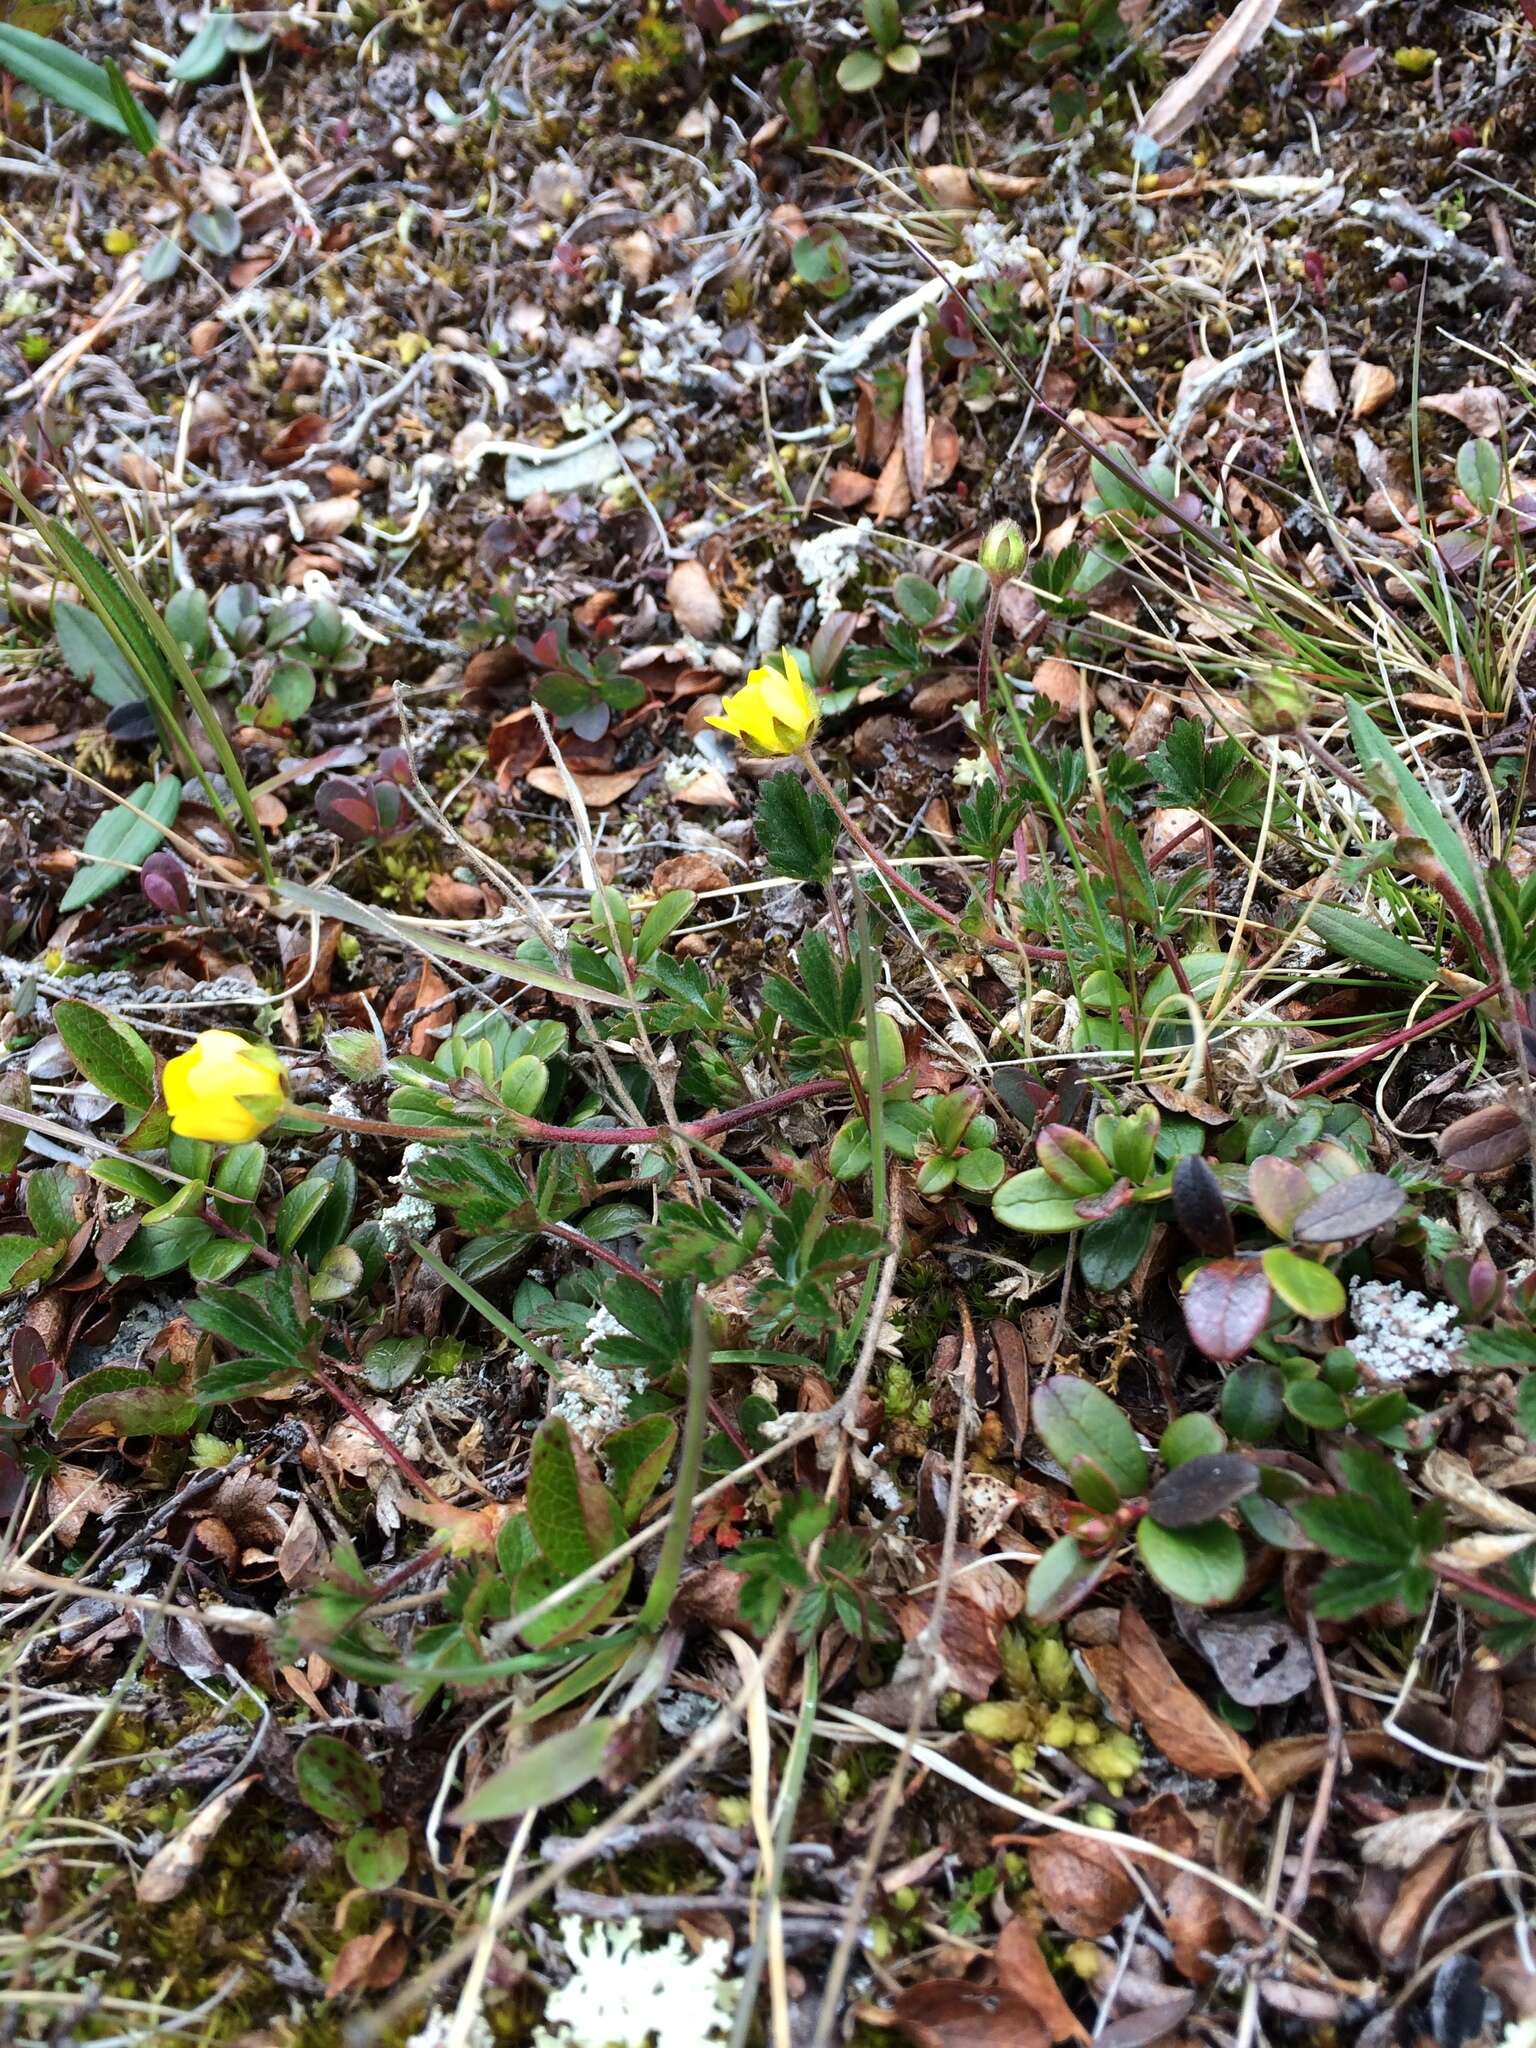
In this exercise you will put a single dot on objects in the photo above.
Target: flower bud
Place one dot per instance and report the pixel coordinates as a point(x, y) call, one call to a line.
point(1278, 703)
point(166, 885)
point(1004, 552)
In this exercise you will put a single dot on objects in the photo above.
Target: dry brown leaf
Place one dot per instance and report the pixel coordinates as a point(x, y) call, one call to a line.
point(944, 2014)
point(1370, 386)
point(694, 601)
point(1196, 1925)
point(1407, 1838)
point(1185, 1730)
point(709, 790)
point(849, 487)
point(597, 790)
point(168, 1872)
point(368, 1962)
point(1319, 387)
point(1061, 684)
point(1188, 97)
point(328, 517)
point(1022, 1970)
point(892, 496)
point(1418, 1893)
point(1451, 1479)
point(1480, 408)
point(74, 1492)
point(303, 1556)
point(1284, 1763)
point(696, 871)
point(943, 452)
point(1083, 1885)
point(1486, 1140)
point(447, 896)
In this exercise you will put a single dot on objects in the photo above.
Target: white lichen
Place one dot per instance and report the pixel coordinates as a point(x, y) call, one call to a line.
point(593, 1398)
point(623, 1995)
point(829, 559)
point(1400, 1334)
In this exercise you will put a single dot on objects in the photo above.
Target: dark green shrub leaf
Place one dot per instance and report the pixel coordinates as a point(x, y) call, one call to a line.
point(1075, 1420)
point(1203, 1565)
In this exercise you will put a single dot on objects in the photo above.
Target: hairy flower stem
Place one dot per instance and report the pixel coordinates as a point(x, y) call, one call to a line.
point(530, 1128)
point(989, 935)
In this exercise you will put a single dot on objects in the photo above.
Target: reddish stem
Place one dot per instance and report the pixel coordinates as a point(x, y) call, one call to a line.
point(650, 1134)
point(594, 1250)
point(1497, 1595)
point(365, 1421)
point(1395, 1039)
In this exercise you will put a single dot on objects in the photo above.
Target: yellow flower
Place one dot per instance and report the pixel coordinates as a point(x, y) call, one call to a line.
point(224, 1089)
point(774, 712)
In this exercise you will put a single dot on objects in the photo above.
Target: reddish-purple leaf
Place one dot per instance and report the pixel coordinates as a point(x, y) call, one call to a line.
point(1488, 1140)
point(1279, 1190)
point(1199, 1208)
point(1201, 1489)
point(1094, 1208)
point(1226, 1305)
point(1351, 1208)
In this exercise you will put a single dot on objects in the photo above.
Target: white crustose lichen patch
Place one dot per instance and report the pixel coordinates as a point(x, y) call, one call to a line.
point(1400, 1335)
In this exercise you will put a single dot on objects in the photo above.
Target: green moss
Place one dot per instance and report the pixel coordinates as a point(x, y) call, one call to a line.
point(658, 52)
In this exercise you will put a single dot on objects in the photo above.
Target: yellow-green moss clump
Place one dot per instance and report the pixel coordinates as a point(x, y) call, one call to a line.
point(1048, 1706)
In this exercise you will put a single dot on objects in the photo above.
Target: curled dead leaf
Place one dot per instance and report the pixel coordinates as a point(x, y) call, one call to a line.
point(944, 2014)
point(1022, 1970)
point(1319, 388)
point(1084, 1886)
point(694, 601)
point(1185, 1730)
point(169, 1871)
point(1370, 386)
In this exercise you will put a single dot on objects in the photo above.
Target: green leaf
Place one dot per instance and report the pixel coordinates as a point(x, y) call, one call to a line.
point(1076, 1420)
point(1111, 1251)
point(1253, 1403)
point(1349, 1589)
point(109, 1053)
point(1369, 944)
point(1073, 1161)
point(1425, 816)
point(336, 1782)
point(1062, 1580)
point(123, 1401)
point(120, 842)
point(137, 126)
point(160, 1248)
point(1480, 472)
point(636, 1457)
point(574, 1518)
point(542, 1776)
point(16, 1253)
point(1315, 1404)
point(376, 1858)
point(797, 829)
point(861, 71)
point(208, 51)
point(1204, 1565)
point(1031, 1201)
point(91, 654)
point(61, 75)
point(1307, 1286)
point(1191, 1436)
point(1348, 1525)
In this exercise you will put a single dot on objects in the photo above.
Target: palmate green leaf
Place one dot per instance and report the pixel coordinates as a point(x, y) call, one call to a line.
point(1348, 1525)
point(119, 843)
point(109, 1053)
point(797, 829)
point(63, 76)
point(1349, 1589)
point(1369, 944)
point(703, 1244)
